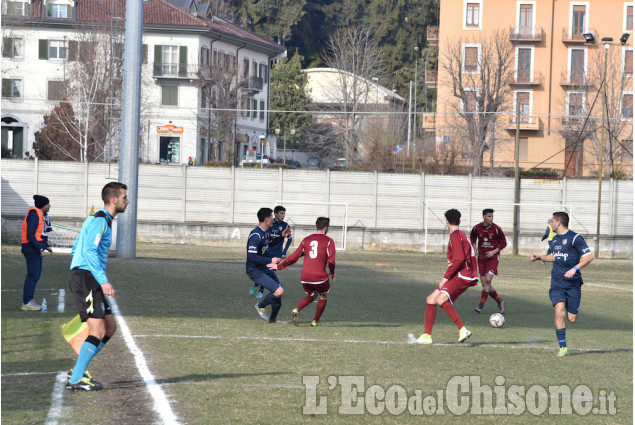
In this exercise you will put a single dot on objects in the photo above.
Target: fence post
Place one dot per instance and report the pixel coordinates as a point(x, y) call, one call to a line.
point(184, 192)
point(86, 211)
point(280, 180)
point(611, 205)
point(469, 197)
point(423, 198)
point(375, 199)
point(328, 193)
point(233, 192)
point(36, 173)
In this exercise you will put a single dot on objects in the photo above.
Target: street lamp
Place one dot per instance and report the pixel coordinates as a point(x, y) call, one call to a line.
point(607, 44)
point(262, 150)
point(284, 138)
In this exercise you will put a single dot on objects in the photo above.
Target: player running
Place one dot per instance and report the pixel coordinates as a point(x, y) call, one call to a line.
point(276, 241)
point(569, 253)
point(460, 275)
point(491, 241)
point(318, 250)
point(256, 266)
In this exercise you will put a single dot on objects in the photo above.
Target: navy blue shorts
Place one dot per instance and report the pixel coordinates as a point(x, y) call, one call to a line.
point(570, 295)
point(266, 280)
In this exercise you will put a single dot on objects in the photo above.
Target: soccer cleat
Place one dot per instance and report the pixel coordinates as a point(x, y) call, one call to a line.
point(501, 305)
point(314, 324)
point(294, 316)
point(86, 375)
point(479, 307)
point(84, 384)
point(253, 290)
point(262, 313)
point(563, 352)
point(464, 334)
point(31, 306)
point(278, 321)
point(424, 339)
point(259, 295)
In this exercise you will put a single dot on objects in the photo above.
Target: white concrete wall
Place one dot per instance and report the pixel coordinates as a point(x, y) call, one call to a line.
point(175, 198)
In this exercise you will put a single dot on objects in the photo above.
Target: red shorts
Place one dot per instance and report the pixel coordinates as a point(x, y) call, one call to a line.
point(488, 265)
point(319, 288)
point(455, 287)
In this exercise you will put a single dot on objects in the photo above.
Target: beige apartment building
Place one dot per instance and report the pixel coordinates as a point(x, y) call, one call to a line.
point(549, 57)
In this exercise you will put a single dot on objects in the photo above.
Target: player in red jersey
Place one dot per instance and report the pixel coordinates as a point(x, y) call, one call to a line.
point(491, 241)
point(460, 275)
point(318, 250)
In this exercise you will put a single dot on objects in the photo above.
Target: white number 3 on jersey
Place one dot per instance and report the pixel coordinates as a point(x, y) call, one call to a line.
point(314, 246)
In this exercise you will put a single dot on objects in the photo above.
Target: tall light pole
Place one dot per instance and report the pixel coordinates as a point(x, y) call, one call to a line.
point(607, 44)
point(414, 132)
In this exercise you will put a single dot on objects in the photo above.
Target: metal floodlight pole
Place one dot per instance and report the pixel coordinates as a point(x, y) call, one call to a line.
point(409, 117)
point(601, 170)
point(414, 127)
point(516, 177)
point(130, 113)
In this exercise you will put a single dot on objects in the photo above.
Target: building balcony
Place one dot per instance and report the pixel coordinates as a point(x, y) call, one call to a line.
point(428, 121)
point(575, 80)
point(432, 35)
point(524, 78)
point(527, 123)
point(431, 78)
point(575, 35)
point(174, 70)
point(252, 84)
point(525, 34)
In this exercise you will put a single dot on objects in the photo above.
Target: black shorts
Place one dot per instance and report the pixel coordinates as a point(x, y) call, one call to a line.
point(89, 298)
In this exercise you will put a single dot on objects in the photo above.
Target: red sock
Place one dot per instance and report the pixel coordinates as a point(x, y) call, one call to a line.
point(428, 318)
point(483, 296)
point(494, 295)
point(452, 314)
point(304, 302)
point(319, 310)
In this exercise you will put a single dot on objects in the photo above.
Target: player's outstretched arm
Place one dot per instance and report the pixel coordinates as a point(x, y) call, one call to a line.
point(544, 258)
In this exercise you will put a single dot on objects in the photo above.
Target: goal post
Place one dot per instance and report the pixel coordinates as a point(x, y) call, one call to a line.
point(533, 217)
point(309, 211)
point(62, 237)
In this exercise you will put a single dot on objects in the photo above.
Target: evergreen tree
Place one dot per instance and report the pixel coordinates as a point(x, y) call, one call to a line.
point(273, 19)
point(288, 93)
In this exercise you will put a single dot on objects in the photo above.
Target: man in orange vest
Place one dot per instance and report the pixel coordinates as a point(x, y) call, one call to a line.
point(34, 247)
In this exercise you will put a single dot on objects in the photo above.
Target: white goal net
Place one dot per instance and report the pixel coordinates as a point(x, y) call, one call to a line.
point(62, 237)
point(304, 213)
point(532, 217)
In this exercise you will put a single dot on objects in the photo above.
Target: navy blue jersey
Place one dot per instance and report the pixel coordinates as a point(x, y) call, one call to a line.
point(567, 250)
point(276, 241)
point(258, 250)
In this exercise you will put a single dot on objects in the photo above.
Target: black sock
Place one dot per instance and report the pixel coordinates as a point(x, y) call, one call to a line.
point(269, 299)
point(275, 308)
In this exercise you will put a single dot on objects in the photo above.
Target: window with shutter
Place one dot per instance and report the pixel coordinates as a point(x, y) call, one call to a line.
point(627, 106)
point(470, 59)
point(56, 90)
point(170, 95)
point(578, 20)
point(628, 62)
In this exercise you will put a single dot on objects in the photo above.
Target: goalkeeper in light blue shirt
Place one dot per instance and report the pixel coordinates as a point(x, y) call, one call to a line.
point(89, 285)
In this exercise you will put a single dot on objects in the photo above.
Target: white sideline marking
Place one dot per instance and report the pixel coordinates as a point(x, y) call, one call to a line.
point(56, 399)
point(28, 373)
point(609, 287)
point(354, 341)
point(61, 306)
point(161, 403)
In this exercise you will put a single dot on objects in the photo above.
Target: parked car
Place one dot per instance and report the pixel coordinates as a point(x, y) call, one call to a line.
point(250, 161)
point(340, 162)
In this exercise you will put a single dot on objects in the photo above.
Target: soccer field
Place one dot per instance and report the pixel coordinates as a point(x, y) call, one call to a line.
point(204, 356)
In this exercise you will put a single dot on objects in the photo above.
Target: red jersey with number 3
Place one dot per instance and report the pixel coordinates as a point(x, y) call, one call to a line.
point(489, 238)
point(461, 258)
point(319, 250)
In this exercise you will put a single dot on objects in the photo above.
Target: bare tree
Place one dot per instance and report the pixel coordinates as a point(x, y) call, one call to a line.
point(354, 52)
point(617, 128)
point(89, 86)
point(479, 71)
point(221, 83)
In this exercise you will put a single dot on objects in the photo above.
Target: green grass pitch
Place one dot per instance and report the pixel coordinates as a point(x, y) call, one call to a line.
point(189, 312)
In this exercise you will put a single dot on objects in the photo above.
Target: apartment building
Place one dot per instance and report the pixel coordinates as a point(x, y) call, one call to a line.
point(557, 51)
point(187, 52)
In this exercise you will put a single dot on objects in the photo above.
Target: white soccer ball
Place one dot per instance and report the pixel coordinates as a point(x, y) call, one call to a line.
point(497, 320)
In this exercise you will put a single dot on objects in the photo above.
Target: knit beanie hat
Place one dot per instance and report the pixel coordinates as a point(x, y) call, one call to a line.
point(40, 201)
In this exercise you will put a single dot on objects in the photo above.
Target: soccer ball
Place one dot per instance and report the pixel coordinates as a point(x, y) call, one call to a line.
point(497, 320)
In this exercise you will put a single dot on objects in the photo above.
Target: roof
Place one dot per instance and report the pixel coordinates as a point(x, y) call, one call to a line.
point(323, 82)
point(160, 13)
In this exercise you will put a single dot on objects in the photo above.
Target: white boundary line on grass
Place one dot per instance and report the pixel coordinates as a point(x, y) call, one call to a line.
point(161, 403)
point(354, 341)
point(56, 399)
point(609, 287)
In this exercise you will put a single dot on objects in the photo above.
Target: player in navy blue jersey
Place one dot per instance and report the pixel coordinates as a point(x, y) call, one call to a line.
point(569, 253)
point(256, 266)
point(276, 241)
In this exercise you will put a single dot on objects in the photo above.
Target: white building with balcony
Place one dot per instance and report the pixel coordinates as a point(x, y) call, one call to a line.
point(182, 42)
